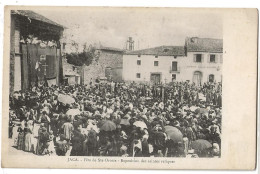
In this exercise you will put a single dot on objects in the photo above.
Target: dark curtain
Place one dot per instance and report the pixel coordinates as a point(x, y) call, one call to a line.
point(33, 54)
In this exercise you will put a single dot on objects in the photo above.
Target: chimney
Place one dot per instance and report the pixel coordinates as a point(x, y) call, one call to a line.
point(194, 40)
point(130, 44)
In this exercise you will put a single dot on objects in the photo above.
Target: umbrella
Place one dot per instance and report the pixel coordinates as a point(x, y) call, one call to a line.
point(168, 128)
point(66, 99)
point(73, 112)
point(125, 122)
point(200, 144)
point(140, 124)
point(174, 133)
point(201, 111)
point(108, 126)
point(100, 123)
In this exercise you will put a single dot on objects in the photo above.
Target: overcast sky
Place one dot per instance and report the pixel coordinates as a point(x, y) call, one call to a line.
point(149, 27)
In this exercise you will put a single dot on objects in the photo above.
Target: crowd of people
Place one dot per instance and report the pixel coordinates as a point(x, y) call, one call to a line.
point(179, 119)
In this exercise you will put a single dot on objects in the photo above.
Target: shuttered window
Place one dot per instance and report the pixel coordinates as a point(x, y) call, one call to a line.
point(212, 58)
point(198, 58)
point(221, 59)
point(174, 66)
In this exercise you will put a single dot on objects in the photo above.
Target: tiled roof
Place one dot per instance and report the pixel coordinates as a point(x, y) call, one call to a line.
point(32, 15)
point(195, 44)
point(160, 51)
point(111, 49)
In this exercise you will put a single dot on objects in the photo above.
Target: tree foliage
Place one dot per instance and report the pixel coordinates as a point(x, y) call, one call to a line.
point(78, 59)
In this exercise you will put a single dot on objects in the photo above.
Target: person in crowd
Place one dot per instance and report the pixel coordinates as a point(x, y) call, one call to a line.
point(28, 139)
point(62, 146)
point(118, 119)
point(44, 138)
point(67, 128)
point(20, 140)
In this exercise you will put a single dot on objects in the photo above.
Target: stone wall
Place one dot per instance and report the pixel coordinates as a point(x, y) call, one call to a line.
point(112, 59)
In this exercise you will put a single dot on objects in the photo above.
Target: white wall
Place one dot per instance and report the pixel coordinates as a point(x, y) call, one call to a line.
point(186, 65)
point(130, 67)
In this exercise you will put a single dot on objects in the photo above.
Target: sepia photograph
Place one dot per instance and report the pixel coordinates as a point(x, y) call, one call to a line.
point(104, 82)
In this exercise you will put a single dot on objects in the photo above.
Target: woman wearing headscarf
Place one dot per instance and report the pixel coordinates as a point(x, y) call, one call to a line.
point(92, 143)
point(28, 139)
point(62, 146)
point(44, 118)
point(44, 139)
point(20, 140)
point(39, 143)
point(66, 129)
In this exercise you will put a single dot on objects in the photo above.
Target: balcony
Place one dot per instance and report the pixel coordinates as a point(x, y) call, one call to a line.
point(174, 70)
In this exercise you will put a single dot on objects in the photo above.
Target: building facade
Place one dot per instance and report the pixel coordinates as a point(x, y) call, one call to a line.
point(199, 61)
point(203, 60)
point(155, 65)
point(108, 64)
point(34, 50)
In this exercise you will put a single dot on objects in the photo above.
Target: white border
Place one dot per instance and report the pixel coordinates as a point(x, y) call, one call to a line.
point(129, 3)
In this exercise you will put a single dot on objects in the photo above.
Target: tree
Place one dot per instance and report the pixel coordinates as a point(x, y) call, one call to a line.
point(78, 59)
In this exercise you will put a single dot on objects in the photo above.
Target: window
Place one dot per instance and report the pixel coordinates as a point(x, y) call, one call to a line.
point(156, 56)
point(173, 77)
point(156, 63)
point(138, 62)
point(211, 78)
point(174, 66)
point(198, 57)
point(138, 75)
point(212, 58)
point(139, 55)
point(175, 57)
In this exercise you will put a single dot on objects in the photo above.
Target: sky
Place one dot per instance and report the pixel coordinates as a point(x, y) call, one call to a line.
point(149, 27)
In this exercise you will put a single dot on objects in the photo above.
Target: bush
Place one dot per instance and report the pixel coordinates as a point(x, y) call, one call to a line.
point(78, 59)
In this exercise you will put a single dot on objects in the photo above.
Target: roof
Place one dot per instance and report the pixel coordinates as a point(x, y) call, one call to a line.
point(160, 51)
point(32, 15)
point(71, 73)
point(111, 49)
point(195, 44)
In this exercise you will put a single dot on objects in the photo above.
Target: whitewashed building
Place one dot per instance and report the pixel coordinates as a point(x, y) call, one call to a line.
point(154, 65)
point(199, 61)
point(203, 61)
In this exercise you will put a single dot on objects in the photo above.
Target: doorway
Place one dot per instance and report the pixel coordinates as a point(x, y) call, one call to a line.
point(197, 77)
point(211, 78)
point(155, 78)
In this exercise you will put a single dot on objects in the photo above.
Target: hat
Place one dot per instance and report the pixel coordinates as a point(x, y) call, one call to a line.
point(123, 135)
point(123, 148)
